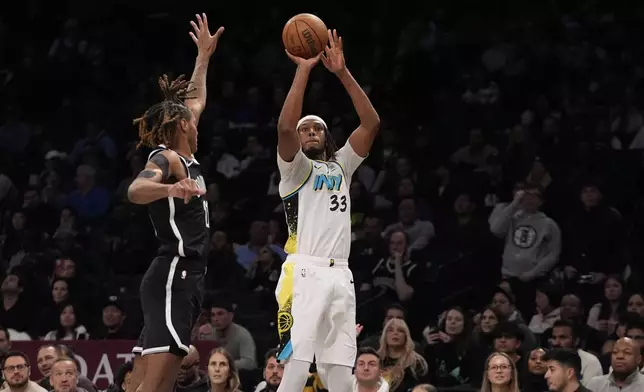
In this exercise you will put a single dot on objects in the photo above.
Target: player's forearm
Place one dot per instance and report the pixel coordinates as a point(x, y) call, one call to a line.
point(143, 191)
point(368, 116)
point(199, 75)
point(292, 109)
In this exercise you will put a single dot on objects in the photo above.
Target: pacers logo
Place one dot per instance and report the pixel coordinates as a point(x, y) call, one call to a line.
point(284, 322)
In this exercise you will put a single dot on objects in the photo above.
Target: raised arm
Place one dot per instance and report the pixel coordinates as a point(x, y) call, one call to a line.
point(206, 46)
point(362, 138)
point(149, 184)
point(288, 139)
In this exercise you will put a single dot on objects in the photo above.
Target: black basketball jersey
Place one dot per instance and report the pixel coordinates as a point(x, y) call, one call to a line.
point(182, 229)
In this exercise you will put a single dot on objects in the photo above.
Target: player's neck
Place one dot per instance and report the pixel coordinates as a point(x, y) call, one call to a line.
point(181, 147)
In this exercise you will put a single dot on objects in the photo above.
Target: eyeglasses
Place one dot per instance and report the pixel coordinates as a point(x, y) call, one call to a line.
point(14, 368)
point(496, 368)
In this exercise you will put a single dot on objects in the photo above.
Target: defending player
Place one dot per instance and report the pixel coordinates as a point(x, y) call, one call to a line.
point(172, 186)
point(315, 293)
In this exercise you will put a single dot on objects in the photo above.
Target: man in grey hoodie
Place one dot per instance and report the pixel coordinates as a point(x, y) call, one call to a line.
point(532, 242)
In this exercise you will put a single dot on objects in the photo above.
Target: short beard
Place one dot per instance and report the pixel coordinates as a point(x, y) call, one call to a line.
point(317, 154)
point(18, 385)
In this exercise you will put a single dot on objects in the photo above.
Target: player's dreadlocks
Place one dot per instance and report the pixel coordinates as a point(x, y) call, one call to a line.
point(159, 122)
point(330, 148)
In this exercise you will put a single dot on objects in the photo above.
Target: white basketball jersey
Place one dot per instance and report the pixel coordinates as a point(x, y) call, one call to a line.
point(317, 203)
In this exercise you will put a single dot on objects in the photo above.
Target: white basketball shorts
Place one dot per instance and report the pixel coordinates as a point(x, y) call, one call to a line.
point(317, 310)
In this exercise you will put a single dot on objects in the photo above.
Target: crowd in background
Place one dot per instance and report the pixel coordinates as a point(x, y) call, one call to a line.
point(501, 210)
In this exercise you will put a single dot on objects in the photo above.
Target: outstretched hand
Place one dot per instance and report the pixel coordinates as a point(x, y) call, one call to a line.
point(206, 43)
point(333, 59)
point(302, 62)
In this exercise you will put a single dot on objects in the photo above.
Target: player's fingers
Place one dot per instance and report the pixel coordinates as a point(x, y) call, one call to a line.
point(205, 19)
point(290, 56)
point(219, 32)
point(340, 45)
point(200, 21)
point(194, 27)
point(331, 43)
point(335, 36)
point(194, 37)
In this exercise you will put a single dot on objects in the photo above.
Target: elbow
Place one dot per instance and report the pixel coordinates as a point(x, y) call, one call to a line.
point(133, 194)
point(373, 124)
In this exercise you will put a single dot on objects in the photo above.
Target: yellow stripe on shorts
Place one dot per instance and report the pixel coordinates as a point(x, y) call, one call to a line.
point(284, 303)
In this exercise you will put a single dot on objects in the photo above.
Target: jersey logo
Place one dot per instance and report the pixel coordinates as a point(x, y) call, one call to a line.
point(524, 237)
point(331, 183)
point(201, 183)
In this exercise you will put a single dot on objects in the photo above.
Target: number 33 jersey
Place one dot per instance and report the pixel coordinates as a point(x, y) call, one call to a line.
point(317, 203)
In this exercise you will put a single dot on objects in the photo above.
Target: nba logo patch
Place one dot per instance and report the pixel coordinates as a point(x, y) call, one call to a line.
point(183, 274)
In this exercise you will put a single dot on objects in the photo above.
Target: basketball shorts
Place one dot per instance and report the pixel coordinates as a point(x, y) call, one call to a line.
point(317, 310)
point(171, 294)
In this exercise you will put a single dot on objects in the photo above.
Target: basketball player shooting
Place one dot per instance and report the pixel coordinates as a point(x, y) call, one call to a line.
point(315, 293)
point(173, 188)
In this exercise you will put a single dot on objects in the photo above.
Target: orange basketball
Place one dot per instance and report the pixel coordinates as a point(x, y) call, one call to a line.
point(305, 35)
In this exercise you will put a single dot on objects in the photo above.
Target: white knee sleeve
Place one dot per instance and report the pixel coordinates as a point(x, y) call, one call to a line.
point(295, 375)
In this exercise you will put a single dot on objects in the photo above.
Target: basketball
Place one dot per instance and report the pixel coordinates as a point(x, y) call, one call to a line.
point(305, 35)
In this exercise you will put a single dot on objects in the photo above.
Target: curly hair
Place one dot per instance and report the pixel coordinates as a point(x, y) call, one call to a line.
point(159, 122)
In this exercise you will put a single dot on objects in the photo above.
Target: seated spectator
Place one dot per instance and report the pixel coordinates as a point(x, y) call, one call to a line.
point(393, 311)
point(69, 327)
point(47, 356)
point(113, 325)
point(564, 371)
point(16, 371)
point(89, 200)
point(447, 351)
point(624, 320)
point(15, 312)
point(603, 317)
point(504, 303)
point(625, 361)
point(396, 277)
point(190, 378)
point(420, 232)
point(533, 378)
point(264, 272)
point(122, 378)
point(635, 304)
point(222, 372)
point(634, 331)
point(500, 374)
point(424, 388)
point(247, 253)
point(402, 367)
point(273, 373)
point(547, 301)
point(565, 335)
point(368, 375)
point(50, 315)
point(234, 338)
point(507, 340)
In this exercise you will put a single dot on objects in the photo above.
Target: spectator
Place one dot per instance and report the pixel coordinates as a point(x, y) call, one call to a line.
point(504, 303)
point(64, 376)
point(122, 378)
point(500, 374)
point(634, 331)
point(397, 277)
point(248, 253)
point(15, 312)
point(447, 351)
point(532, 242)
point(393, 311)
point(402, 366)
point(367, 376)
point(234, 338)
point(190, 378)
point(16, 371)
point(273, 373)
point(565, 336)
point(625, 377)
point(507, 340)
point(5, 341)
point(69, 327)
point(533, 379)
point(222, 372)
point(89, 200)
point(564, 371)
point(603, 317)
point(264, 272)
point(635, 304)
point(420, 232)
point(424, 388)
point(113, 325)
point(547, 310)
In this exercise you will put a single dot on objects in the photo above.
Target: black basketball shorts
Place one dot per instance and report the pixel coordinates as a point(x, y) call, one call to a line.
point(171, 294)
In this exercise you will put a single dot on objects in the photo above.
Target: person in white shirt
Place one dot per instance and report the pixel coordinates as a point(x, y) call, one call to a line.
point(565, 335)
point(368, 373)
point(548, 312)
